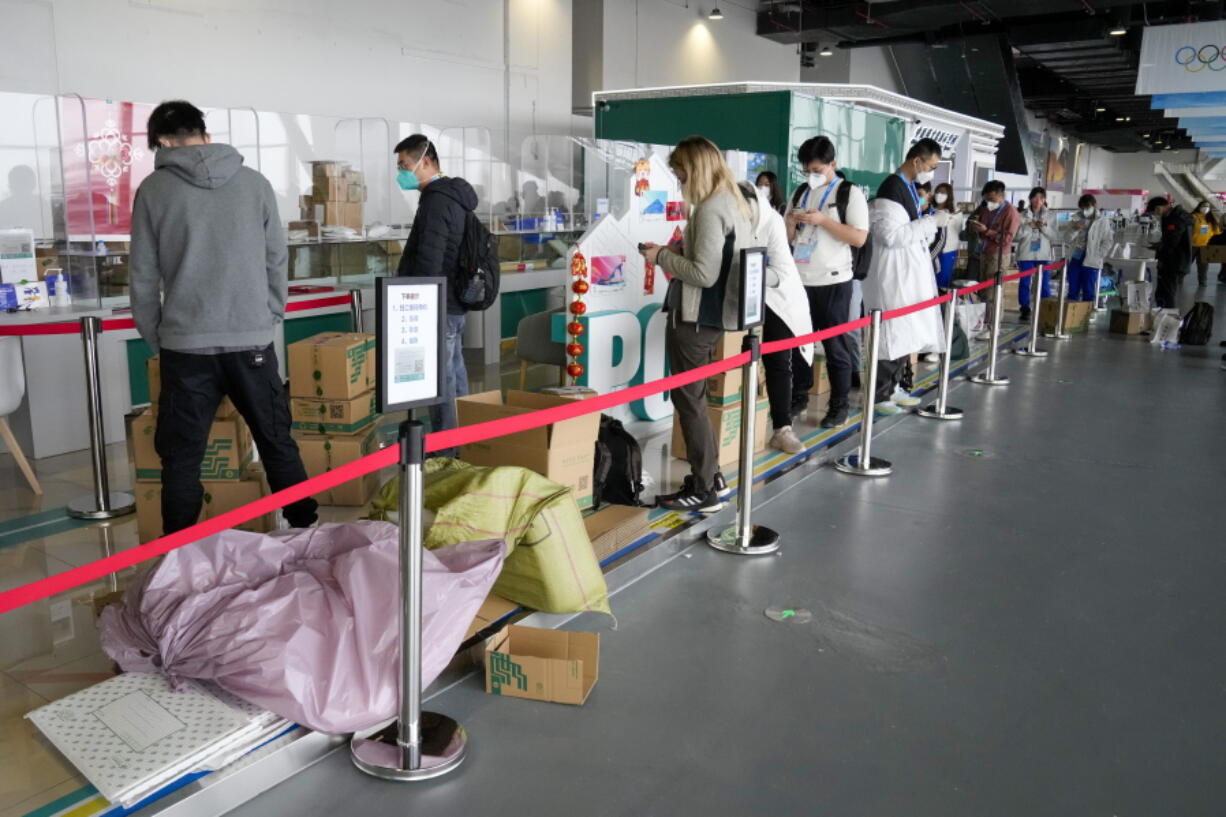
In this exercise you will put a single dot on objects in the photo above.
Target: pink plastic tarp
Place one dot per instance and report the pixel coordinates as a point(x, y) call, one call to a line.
point(303, 623)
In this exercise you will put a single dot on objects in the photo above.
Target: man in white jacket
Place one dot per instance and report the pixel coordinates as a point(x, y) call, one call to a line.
point(901, 272)
point(1033, 243)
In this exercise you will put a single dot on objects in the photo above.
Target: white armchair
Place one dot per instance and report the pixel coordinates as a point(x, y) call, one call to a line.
point(12, 390)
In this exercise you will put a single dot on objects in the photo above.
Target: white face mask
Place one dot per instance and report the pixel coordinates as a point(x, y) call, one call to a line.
point(766, 190)
point(1202, 209)
point(993, 205)
point(817, 180)
point(925, 176)
point(940, 198)
point(1087, 211)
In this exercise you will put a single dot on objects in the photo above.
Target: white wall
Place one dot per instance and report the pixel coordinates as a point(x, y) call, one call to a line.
point(437, 61)
point(874, 66)
point(651, 43)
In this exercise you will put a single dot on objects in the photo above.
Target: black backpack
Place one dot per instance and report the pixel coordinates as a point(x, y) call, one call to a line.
point(861, 257)
point(476, 285)
point(618, 475)
point(1197, 325)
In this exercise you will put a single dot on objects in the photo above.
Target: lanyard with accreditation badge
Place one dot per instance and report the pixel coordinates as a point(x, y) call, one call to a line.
point(807, 241)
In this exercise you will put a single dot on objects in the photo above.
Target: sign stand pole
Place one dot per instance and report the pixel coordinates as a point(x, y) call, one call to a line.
point(1036, 300)
point(1060, 334)
point(745, 538)
point(105, 503)
point(418, 745)
point(864, 464)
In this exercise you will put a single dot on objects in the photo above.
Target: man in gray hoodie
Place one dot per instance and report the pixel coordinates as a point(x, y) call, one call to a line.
point(208, 290)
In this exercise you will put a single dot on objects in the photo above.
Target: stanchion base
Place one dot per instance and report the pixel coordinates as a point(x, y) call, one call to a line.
point(933, 413)
point(86, 507)
point(983, 379)
point(763, 541)
point(875, 467)
point(1061, 336)
point(1024, 352)
point(443, 743)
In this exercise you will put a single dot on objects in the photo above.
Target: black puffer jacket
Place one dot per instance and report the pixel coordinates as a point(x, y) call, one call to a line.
point(433, 248)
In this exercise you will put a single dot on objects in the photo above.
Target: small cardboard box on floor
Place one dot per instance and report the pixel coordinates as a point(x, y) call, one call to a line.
point(1076, 315)
point(564, 452)
point(322, 453)
point(726, 422)
point(1130, 323)
point(613, 527)
point(228, 452)
point(333, 365)
point(821, 377)
point(543, 665)
point(219, 497)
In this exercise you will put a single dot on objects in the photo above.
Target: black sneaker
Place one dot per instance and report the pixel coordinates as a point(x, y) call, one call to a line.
point(689, 499)
point(721, 486)
point(1023, 315)
point(835, 417)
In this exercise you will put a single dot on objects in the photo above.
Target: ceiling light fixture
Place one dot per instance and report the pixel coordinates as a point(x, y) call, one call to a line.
point(1100, 110)
point(1118, 31)
point(715, 14)
point(1119, 119)
point(825, 52)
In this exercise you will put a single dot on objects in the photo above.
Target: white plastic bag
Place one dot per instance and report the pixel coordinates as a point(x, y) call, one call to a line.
point(972, 317)
point(1166, 328)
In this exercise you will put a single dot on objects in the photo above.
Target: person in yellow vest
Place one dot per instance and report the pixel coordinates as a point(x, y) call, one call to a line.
point(1204, 227)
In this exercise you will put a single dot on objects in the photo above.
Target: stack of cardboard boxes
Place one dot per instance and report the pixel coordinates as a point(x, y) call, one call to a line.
point(230, 478)
point(1133, 316)
point(332, 407)
point(724, 407)
point(336, 198)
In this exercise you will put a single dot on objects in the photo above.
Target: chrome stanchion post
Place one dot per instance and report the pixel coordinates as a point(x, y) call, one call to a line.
point(941, 410)
point(1099, 305)
point(864, 464)
point(420, 745)
point(988, 377)
point(744, 537)
point(355, 309)
point(1060, 334)
point(1036, 300)
point(103, 504)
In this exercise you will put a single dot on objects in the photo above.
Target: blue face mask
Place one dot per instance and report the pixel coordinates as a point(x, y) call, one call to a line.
point(407, 180)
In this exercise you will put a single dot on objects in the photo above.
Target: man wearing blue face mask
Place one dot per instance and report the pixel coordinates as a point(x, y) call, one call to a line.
point(433, 250)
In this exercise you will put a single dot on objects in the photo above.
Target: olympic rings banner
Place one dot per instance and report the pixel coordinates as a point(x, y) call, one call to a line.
point(1187, 58)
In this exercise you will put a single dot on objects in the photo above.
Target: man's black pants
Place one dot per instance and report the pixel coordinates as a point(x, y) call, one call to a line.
point(192, 388)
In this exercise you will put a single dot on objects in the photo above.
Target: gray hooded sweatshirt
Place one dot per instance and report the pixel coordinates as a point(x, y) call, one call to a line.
point(208, 261)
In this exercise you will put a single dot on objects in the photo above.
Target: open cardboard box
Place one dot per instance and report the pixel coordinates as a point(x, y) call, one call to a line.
point(543, 665)
point(613, 527)
point(564, 452)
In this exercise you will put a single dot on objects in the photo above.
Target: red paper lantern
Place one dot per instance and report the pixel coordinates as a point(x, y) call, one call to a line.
point(574, 328)
point(575, 370)
point(577, 307)
point(580, 286)
point(574, 349)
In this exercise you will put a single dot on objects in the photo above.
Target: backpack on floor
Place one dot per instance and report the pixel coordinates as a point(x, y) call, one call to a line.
point(618, 475)
point(1197, 325)
point(476, 285)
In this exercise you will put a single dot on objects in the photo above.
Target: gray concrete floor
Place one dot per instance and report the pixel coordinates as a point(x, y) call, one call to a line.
point(1032, 630)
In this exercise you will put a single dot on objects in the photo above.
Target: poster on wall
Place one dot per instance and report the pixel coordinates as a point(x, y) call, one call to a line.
point(1038, 156)
point(105, 157)
point(615, 313)
point(1059, 165)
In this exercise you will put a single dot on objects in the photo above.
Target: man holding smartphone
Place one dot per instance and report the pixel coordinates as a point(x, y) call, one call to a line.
point(995, 223)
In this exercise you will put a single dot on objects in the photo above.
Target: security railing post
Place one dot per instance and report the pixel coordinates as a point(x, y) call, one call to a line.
point(103, 504)
point(863, 464)
point(988, 377)
point(744, 537)
point(1036, 301)
point(355, 309)
point(1060, 334)
point(1099, 306)
point(941, 410)
point(419, 745)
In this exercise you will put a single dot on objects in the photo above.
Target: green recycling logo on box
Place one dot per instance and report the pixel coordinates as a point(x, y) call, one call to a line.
point(505, 671)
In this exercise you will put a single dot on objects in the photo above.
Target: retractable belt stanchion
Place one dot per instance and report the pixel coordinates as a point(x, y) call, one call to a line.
point(104, 504)
point(989, 377)
point(744, 537)
point(1099, 305)
point(863, 463)
point(355, 309)
point(941, 410)
point(419, 745)
point(1060, 334)
point(1036, 300)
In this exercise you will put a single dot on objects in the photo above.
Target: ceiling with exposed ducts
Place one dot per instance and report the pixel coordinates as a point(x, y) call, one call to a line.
point(1071, 62)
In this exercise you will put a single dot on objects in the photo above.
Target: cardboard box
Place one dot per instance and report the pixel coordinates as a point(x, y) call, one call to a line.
point(543, 665)
point(330, 189)
point(228, 452)
point(322, 453)
point(821, 377)
point(1130, 323)
point(323, 416)
point(354, 177)
point(355, 192)
point(728, 346)
point(310, 227)
point(337, 365)
point(325, 169)
point(614, 527)
point(564, 452)
point(153, 371)
point(1136, 296)
point(219, 497)
point(725, 389)
point(726, 422)
point(1216, 253)
point(1076, 315)
point(342, 214)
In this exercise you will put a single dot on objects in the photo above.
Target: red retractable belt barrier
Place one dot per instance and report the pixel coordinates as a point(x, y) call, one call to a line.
point(116, 324)
point(439, 440)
